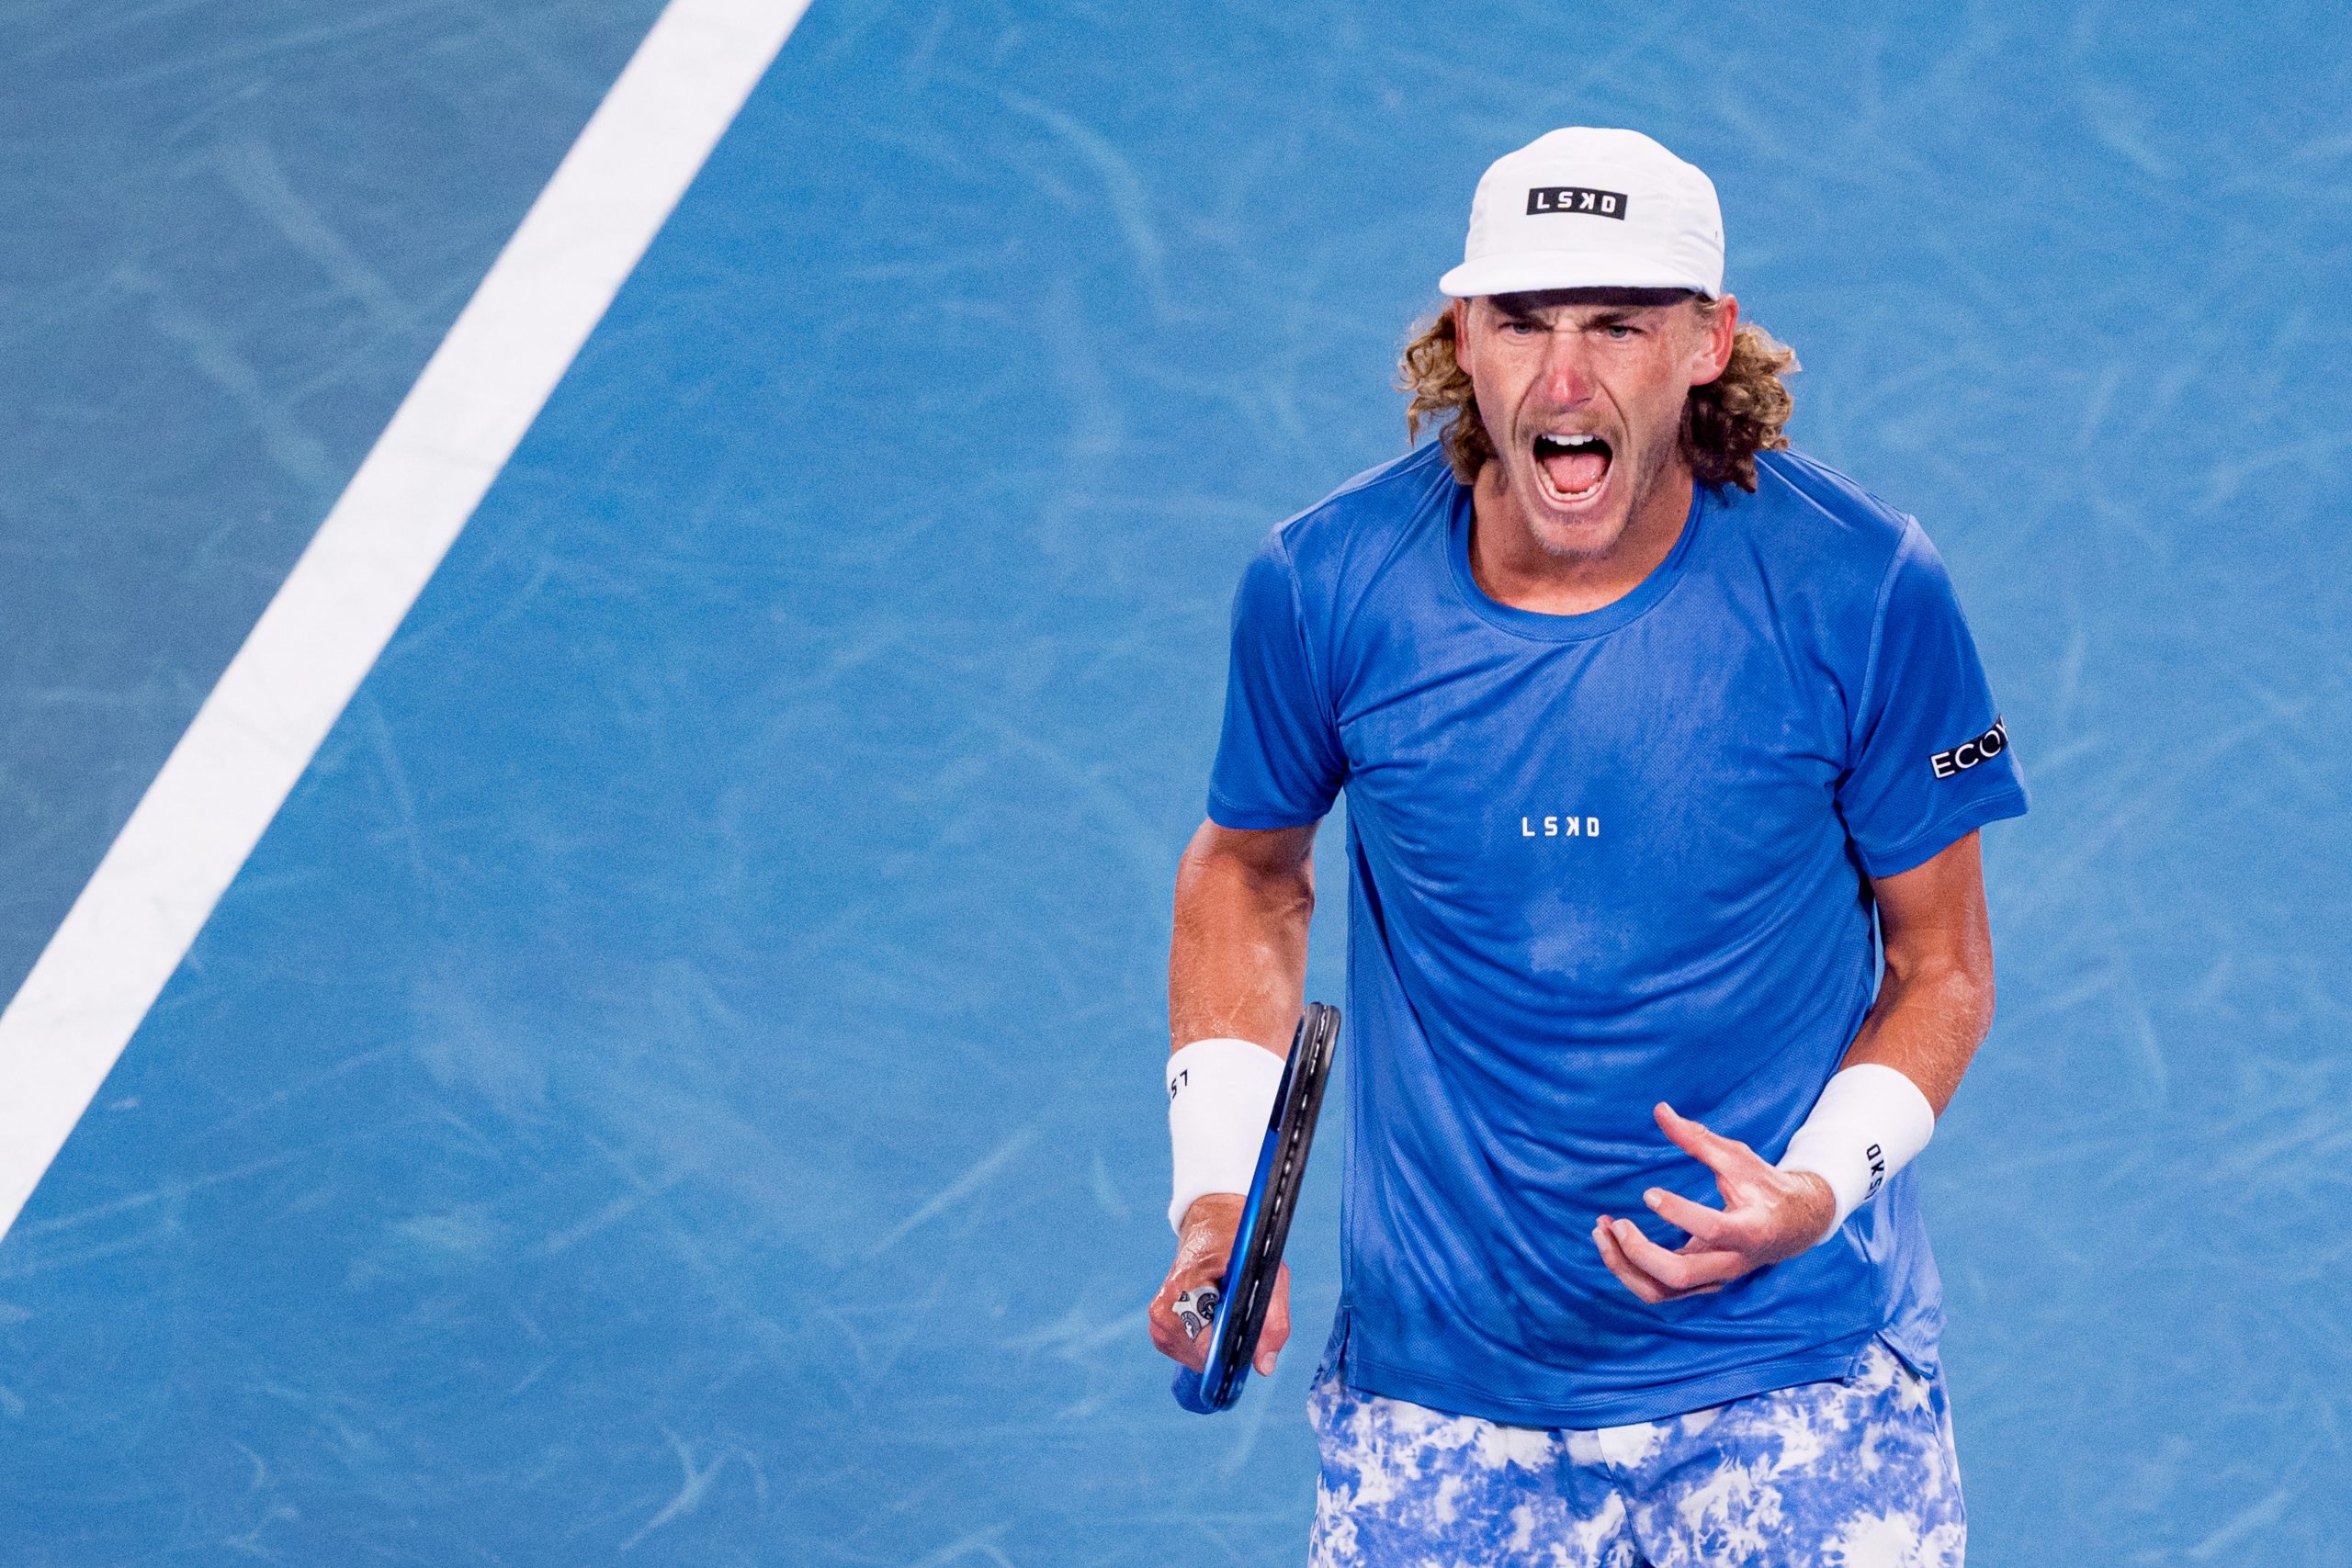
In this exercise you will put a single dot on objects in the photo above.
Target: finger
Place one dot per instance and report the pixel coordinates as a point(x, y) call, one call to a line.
point(1168, 1335)
point(1677, 1270)
point(1636, 1278)
point(1275, 1334)
point(1724, 1157)
point(1169, 1338)
point(1613, 1256)
point(1710, 1225)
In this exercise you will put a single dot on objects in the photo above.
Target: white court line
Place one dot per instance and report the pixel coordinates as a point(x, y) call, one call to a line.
point(337, 610)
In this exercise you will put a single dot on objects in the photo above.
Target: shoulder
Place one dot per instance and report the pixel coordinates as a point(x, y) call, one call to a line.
point(1352, 533)
point(1822, 540)
point(1823, 521)
point(1832, 560)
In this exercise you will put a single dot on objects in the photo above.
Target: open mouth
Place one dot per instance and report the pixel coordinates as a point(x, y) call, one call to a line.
point(1574, 467)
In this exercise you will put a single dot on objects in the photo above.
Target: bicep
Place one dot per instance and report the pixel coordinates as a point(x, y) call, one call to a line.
point(1934, 913)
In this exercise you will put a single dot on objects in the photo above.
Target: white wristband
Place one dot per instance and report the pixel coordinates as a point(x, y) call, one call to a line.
point(1220, 1096)
point(1868, 1123)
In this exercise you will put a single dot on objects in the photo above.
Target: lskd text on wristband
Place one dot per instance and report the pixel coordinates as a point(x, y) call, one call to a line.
point(1869, 1122)
point(1220, 1093)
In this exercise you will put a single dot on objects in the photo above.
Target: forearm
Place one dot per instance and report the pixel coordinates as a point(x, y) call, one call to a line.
point(1931, 1016)
point(1237, 962)
point(1935, 1003)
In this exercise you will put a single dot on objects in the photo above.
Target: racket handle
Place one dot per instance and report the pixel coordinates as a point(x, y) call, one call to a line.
point(1192, 1394)
point(1196, 1310)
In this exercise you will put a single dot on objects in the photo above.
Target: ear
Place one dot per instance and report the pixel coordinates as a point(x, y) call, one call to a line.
point(1461, 309)
point(1712, 356)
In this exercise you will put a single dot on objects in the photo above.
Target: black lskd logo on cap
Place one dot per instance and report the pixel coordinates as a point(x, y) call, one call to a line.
point(1581, 200)
point(1968, 753)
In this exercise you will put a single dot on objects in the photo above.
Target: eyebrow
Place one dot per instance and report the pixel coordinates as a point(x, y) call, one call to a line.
point(1604, 316)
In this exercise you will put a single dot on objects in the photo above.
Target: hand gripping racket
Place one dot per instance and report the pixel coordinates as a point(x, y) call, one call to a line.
point(1251, 1271)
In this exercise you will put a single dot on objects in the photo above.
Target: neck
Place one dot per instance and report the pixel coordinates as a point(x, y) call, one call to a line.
point(1515, 570)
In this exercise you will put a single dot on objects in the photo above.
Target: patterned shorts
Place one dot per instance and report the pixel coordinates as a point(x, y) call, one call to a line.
point(1855, 1473)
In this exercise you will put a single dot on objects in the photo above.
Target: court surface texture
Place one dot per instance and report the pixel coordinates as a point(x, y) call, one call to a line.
point(677, 1080)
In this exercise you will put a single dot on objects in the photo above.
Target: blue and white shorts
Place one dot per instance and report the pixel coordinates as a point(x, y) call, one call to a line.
point(1853, 1472)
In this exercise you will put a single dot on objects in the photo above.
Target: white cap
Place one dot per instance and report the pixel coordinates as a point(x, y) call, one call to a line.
point(1588, 208)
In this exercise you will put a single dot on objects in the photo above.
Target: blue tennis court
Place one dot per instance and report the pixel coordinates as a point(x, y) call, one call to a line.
point(677, 1082)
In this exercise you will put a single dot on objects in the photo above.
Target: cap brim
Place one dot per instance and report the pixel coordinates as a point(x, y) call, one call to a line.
point(1530, 271)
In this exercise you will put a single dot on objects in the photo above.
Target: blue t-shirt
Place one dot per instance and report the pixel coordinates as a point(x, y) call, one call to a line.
point(1596, 862)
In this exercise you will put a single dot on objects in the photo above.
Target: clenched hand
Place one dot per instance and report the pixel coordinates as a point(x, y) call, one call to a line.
point(1201, 1252)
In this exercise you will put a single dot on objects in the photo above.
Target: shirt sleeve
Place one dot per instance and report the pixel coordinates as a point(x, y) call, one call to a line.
point(1279, 764)
point(1929, 759)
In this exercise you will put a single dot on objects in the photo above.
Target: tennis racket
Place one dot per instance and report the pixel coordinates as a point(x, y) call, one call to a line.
point(1240, 1301)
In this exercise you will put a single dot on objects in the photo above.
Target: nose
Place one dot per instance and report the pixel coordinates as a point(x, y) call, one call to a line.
point(1567, 383)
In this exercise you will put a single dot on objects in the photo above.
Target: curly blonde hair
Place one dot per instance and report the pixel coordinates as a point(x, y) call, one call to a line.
point(1724, 423)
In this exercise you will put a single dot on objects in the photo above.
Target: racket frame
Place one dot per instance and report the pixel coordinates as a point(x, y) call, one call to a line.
point(1247, 1289)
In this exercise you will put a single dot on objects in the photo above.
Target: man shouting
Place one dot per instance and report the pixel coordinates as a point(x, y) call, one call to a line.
point(1665, 749)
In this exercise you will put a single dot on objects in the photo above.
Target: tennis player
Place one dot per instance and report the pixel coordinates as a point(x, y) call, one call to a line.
point(1665, 751)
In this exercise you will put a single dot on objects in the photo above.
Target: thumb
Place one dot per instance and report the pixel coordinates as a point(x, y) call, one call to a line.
point(1276, 1332)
